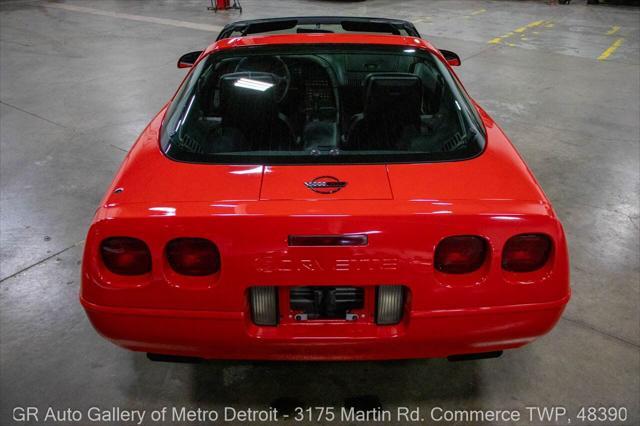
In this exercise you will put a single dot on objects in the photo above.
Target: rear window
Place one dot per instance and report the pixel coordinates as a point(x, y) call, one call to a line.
point(320, 104)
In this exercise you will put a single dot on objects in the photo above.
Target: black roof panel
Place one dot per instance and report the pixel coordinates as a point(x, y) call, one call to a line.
point(348, 23)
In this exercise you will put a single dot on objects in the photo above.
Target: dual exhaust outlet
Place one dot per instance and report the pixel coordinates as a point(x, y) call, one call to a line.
point(327, 303)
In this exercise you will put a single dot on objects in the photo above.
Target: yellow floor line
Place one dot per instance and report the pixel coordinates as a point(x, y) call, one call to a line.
point(614, 46)
point(520, 30)
point(478, 12)
point(613, 30)
point(530, 25)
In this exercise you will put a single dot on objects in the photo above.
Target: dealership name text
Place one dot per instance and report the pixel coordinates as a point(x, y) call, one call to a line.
point(32, 414)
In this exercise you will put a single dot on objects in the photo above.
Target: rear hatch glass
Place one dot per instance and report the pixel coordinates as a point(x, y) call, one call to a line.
point(321, 104)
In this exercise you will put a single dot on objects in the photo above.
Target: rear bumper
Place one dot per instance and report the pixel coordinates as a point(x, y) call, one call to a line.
point(231, 335)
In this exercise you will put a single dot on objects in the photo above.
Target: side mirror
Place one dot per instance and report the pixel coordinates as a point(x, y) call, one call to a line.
point(188, 59)
point(452, 58)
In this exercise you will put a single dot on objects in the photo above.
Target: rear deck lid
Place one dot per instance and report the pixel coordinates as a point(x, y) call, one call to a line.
point(326, 182)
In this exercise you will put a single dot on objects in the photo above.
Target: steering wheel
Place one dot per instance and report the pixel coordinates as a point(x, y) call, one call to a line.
point(270, 64)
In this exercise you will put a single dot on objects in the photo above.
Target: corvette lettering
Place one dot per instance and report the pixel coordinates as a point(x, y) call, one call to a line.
point(271, 264)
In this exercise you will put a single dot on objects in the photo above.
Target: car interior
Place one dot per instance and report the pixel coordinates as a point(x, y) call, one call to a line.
point(321, 104)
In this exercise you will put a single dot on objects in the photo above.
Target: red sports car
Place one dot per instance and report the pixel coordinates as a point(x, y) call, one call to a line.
point(323, 188)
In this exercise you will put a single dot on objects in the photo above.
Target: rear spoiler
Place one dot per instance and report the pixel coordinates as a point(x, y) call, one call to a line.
point(348, 24)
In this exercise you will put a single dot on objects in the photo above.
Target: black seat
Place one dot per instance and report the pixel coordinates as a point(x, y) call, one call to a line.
point(250, 117)
point(432, 86)
point(391, 113)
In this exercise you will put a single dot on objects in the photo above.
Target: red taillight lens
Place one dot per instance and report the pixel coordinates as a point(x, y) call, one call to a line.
point(193, 256)
point(526, 252)
point(460, 254)
point(126, 256)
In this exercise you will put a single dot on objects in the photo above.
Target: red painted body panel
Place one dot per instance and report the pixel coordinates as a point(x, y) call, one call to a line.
point(249, 211)
point(328, 38)
point(368, 182)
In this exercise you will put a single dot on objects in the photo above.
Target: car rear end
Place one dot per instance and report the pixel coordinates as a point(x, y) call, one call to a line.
point(339, 276)
point(385, 285)
point(304, 257)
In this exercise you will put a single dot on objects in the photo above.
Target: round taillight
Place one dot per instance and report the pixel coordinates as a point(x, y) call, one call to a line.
point(193, 256)
point(126, 256)
point(460, 254)
point(526, 252)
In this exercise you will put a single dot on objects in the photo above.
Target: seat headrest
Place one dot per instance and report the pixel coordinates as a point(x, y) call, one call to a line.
point(398, 93)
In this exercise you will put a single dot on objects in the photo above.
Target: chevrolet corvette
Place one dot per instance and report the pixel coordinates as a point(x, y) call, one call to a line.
point(323, 188)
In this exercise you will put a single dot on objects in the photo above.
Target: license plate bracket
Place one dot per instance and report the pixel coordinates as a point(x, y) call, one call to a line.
point(326, 302)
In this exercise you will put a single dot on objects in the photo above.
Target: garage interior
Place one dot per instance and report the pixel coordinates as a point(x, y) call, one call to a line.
point(79, 80)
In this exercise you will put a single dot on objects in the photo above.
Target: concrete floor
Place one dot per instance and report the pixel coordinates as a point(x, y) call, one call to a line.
point(80, 79)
